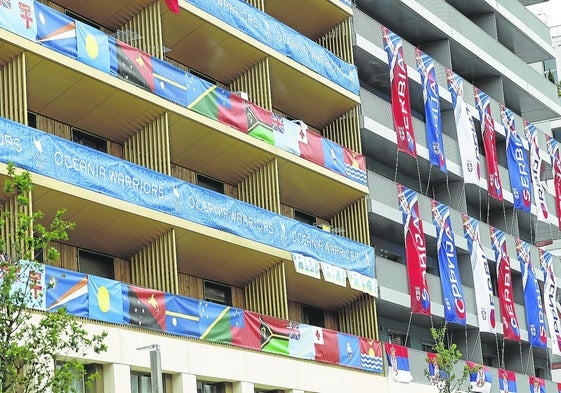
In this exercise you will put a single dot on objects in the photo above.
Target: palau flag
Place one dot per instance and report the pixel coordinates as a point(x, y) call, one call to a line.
point(349, 350)
point(93, 47)
point(55, 30)
point(170, 82)
point(326, 345)
point(333, 156)
point(371, 355)
point(260, 122)
point(66, 288)
point(144, 307)
point(182, 315)
point(507, 381)
point(131, 64)
point(105, 299)
point(19, 17)
point(480, 380)
point(222, 105)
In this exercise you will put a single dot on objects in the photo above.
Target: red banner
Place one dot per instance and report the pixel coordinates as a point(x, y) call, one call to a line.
point(415, 251)
point(401, 107)
point(553, 150)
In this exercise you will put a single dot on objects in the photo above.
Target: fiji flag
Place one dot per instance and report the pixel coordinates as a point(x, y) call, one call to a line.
point(480, 380)
point(19, 17)
point(349, 350)
point(93, 47)
point(537, 385)
point(333, 156)
point(182, 315)
point(170, 82)
point(507, 381)
point(398, 363)
point(55, 30)
point(66, 288)
point(105, 299)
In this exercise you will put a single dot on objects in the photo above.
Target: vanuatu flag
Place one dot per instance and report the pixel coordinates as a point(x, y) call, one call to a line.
point(276, 334)
point(260, 122)
point(144, 307)
point(66, 288)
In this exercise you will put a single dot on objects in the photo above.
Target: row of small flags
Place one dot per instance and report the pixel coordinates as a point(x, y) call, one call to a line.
point(90, 46)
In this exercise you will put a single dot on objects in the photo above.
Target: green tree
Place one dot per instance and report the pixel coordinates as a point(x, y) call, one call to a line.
point(550, 76)
point(446, 357)
point(39, 350)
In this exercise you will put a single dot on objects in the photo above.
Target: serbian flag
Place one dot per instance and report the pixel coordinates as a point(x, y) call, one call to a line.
point(518, 164)
point(553, 150)
point(355, 166)
point(532, 297)
point(452, 292)
point(507, 381)
point(401, 107)
point(482, 102)
point(398, 363)
point(536, 170)
point(480, 380)
point(435, 373)
point(511, 330)
point(415, 250)
point(537, 385)
point(549, 299)
point(465, 129)
point(433, 119)
point(482, 278)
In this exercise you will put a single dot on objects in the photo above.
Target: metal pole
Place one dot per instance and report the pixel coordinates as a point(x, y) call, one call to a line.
point(155, 367)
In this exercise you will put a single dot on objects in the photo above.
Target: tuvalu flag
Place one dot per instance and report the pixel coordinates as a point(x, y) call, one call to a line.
point(93, 47)
point(55, 30)
point(68, 289)
point(131, 64)
point(286, 136)
point(105, 299)
point(144, 307)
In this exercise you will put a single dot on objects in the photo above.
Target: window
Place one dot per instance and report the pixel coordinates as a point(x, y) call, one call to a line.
point(208, 387)
point(210, 183)
point(95, 264)
point(217, 293)
point(490, 360)
point(539, 372)
point(397, 338)
point(32, 119)
point(142, 383)
point(78, 383)
point(427, 344)
point(313, 316)
point(304, 217)
point(89, 140)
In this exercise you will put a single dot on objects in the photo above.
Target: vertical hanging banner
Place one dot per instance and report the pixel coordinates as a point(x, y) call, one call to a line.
point(537, 385)
point(511, 330)
point(536, 170)
point(481, 277)
point(415, 250)
point(401, 106)
point(518, 164)
point(433, 119)
point(467, 138)
point(535, 316)
point(507, 381)
point(553, 150)
point(549, 299)
point(398, 363)
point(452, 292)
point(482, 101)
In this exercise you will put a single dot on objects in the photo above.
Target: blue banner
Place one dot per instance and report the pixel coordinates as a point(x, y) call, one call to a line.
point(453, 294)
point(433, 119)
point(66, 289)
point(69, 162)
point(271, 32)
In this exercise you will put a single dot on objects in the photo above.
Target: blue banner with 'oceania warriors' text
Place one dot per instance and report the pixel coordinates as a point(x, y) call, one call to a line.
point(69, 162)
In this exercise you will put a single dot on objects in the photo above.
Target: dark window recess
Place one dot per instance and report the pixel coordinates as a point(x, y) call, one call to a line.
point(207, 387)
point(304, 217)
point(80, 18)
point(210, 184)
point(427, 345)
point(203, 76)
point(489, 360)
point(96, 264)
point(217, 293)
point(398, 338)
point(89, 140)
point(313, 316)
point(142, 383)
point(32, 119)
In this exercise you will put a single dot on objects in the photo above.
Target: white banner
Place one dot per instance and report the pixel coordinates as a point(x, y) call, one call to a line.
point(334, 274)
point(306, 265)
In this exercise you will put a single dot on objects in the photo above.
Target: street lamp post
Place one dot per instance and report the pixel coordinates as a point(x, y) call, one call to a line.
point(155, 367)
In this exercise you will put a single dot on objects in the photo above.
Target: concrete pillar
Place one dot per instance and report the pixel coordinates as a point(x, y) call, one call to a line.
point(186, 383)
point(116, 378)
point(243, 387)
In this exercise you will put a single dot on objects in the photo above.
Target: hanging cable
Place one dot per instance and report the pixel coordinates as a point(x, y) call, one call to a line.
point(419, 176)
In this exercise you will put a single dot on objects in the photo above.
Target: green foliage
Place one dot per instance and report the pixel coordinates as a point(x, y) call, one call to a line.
point(32, 342)
point(550, 76)
point(446, 358)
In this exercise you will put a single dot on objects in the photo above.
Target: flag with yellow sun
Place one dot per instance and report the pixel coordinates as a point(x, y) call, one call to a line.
point(105, 299)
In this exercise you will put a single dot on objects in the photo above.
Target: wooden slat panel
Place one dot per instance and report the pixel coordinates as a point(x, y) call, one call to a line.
point(354, 222)
point(267, 293)
point(346, 131)
point(190, 286)
point(339, 41)
point(261, 188)
point(13, 90)
point(359, 317)
point(68, 256)
point(256, 83)
point(148, 25)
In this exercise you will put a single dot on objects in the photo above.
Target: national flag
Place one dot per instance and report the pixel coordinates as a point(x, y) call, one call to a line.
point(355, 166)
point(465, 130)
point(511, 329)
point(245, 327)
point(311, 147)
point(326, 345)
point(401, 106)
point(182, 315)
point(483, 103)
point(371, 355)
point(131, 64)
point(197, 89)
point(553, 150)
point(144, 307)
point(453, 295)
point(537, 385)
point(173, 6)
point(170, 82)
point(349, 350)
point(536, 164)
point(275, 334)
point(29, 284)
point(549, 300)
point(333, 156)
point(433, 118)
point(398, 363)
point(480, 380)
point(286, 135)
point(259, 122)
point(215, 322)
point(93, 47)
point(301, 342)
point(105, 299)
point(222, 105)
point(66, 288)
point(19, 17)
point(55, 30)
point(507, 381)
point(415, 250)
point(558, 387)
point(537, 335)
point(435, 373)
point(518, 164)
